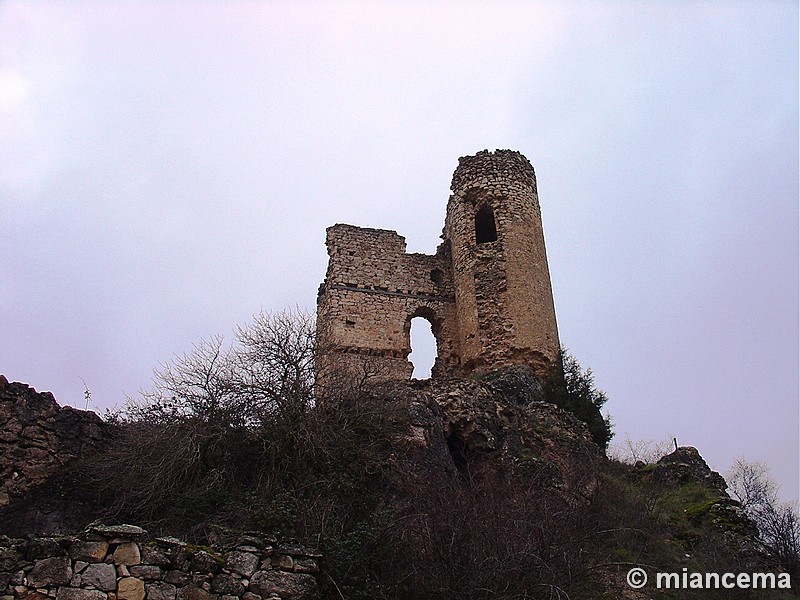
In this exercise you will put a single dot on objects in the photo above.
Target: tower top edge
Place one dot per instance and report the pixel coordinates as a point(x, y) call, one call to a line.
point(497, 165)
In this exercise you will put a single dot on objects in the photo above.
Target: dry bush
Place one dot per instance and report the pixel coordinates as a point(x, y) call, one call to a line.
point(211, 422)
point(649, 452)
point(778, 522)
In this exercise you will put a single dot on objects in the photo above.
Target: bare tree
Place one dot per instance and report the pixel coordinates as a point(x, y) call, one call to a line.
point(274, 363)
point(754, 487)
point(200, 428)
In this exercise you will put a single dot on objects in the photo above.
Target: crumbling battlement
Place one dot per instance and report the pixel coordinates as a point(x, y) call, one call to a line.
point(501, 166)
point(486, 291)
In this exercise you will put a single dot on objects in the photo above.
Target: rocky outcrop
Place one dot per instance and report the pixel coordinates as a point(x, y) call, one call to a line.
point(38, 437)
point(686, 467)
point(686, 464)
point(118, 562)
point(499, 423)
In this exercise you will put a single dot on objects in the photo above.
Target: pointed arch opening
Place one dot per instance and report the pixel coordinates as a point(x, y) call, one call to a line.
point(423, 347)
point(485, 227)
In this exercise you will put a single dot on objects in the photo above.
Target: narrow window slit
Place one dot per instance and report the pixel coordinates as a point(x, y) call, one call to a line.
point(485, 228)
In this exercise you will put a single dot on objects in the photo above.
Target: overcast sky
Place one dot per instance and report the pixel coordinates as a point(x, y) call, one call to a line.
point(168, 169)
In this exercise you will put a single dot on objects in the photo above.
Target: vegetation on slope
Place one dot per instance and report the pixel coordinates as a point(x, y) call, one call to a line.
point(234, 438)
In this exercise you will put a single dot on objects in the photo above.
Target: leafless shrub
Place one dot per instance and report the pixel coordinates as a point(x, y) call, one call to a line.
point(752, 485)
point(199, 432)
point(631, 451)
point(778, 522)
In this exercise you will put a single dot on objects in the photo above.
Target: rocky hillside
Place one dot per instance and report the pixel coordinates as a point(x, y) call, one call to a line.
point(422, 489)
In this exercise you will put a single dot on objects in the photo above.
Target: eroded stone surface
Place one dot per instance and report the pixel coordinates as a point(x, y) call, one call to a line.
point(53, 571)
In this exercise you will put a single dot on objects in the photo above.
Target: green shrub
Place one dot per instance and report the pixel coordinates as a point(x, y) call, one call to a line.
point(573, 389)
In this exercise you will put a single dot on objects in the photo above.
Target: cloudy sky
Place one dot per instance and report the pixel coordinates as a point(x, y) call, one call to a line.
point(168, 169)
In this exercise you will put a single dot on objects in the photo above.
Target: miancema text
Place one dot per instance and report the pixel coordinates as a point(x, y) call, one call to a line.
point(688, 580)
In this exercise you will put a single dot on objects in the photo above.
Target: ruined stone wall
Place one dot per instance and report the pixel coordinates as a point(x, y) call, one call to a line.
point(38, 437)
point(117, 562)
point(372, 290)
point(489, 300)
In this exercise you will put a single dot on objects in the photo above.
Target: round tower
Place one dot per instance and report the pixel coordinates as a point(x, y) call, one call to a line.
point(503, 297)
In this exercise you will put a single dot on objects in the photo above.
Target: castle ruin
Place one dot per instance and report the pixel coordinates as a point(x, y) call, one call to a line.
point(486, 292)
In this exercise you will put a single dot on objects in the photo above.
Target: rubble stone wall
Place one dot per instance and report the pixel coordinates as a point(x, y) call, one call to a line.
point(372, 290)
point(119, 563)
point(38, 437)
point(489, 301)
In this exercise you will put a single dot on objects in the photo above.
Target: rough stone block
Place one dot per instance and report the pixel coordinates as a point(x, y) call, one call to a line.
point(160, 591)
point(39, 548)
point(289, 586)
point(283, 561)
point(178, 578)
point(90, 552)
point(9, 559)
point(154, 556)
point(305, 565)
point(244, 563)
point(50, 572)
point(79, 565)
point(119, 532)
point(227, 584)
point(127, 554)
point(130, 588)
point(69, 593)
point(203, 562)
point(146, 572)
point(192, 592)
point(100, 575)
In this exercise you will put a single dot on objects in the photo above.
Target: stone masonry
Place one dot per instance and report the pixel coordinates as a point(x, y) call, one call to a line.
point(117, 562)
point(38, 437)
point(486, 292)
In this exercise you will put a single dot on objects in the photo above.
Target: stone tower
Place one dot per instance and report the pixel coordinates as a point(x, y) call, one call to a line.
point(504, 301)
point(486, 291)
